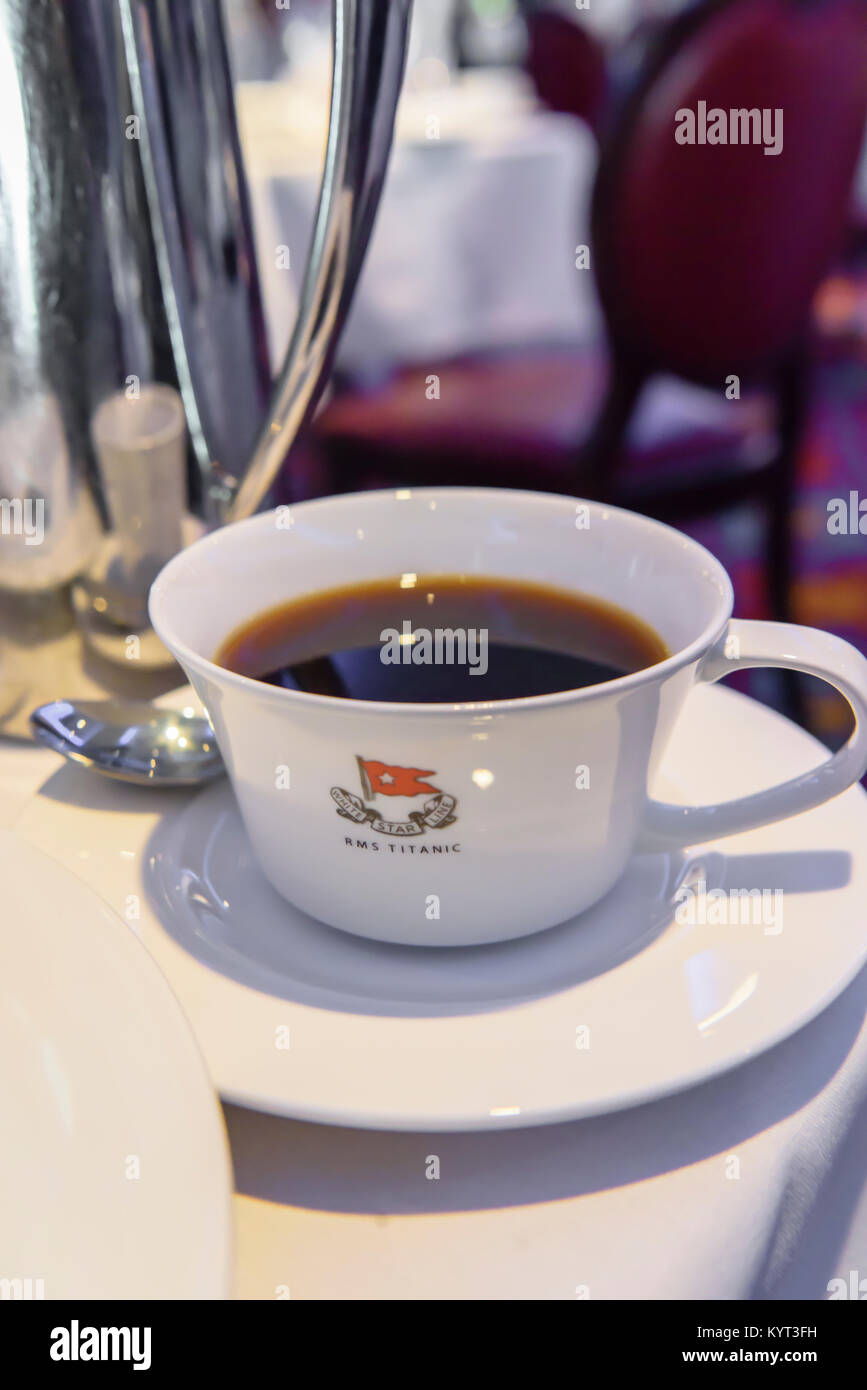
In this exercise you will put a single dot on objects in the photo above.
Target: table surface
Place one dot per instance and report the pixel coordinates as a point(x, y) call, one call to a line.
point(635, 1204)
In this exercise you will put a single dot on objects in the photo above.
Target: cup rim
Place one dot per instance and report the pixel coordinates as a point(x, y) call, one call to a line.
point(684, 656)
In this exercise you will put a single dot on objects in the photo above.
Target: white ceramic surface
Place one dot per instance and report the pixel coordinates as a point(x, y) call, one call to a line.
point(114, 1173)
point(300, 1020)
point(529, 809)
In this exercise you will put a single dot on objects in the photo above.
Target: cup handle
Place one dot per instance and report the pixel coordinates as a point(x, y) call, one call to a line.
point(743, 644)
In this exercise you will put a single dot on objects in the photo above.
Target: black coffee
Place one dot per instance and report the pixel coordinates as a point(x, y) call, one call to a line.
point(441, 639)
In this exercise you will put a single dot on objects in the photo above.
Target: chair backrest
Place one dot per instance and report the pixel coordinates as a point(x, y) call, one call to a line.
point(707, 254)
point(567, 65)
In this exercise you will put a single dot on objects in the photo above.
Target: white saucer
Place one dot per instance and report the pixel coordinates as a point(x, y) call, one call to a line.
point(402, 1038)
point(114, 1171)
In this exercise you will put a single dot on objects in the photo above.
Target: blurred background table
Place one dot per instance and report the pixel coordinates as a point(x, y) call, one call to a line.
point(474, 243)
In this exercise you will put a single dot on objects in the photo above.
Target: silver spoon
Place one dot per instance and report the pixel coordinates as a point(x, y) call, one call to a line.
point(131, 740)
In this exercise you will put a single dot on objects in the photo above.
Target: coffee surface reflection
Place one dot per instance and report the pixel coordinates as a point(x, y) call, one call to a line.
point(442, 638)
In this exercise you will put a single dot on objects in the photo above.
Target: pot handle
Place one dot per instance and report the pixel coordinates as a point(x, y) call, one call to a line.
point(369, 50)
point(368, 54)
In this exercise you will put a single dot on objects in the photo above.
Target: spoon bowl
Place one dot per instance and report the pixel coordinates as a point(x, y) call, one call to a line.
point(131, 740)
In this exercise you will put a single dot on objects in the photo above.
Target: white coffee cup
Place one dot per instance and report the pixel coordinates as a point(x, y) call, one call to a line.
point(530, 808)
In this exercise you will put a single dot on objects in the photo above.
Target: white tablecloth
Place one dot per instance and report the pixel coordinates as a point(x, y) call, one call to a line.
point(640, 1204)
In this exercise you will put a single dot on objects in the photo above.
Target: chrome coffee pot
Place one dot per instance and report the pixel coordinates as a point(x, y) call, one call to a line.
point(127, 256)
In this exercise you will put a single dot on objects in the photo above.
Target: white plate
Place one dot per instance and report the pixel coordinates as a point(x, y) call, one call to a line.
point(402, 1038)
point(114, 1171)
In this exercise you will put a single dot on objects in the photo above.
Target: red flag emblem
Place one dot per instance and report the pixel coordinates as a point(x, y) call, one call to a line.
point(390, 780)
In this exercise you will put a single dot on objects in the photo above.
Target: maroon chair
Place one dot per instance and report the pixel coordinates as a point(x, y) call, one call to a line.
point(707, 257)
point(567, 65)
